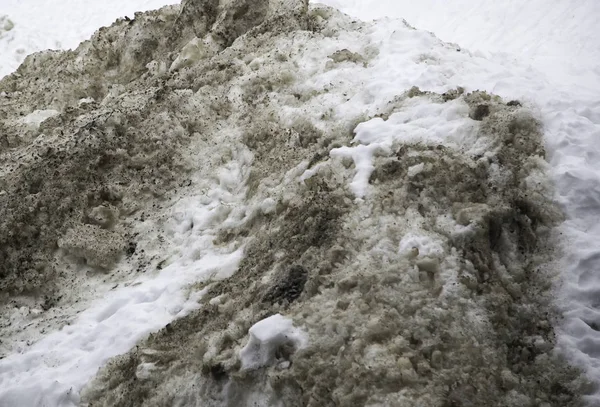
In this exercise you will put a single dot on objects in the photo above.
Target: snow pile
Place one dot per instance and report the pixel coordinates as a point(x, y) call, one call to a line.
point(36, 25)
point(293, 161)
point(267, 338)
point(555, 48)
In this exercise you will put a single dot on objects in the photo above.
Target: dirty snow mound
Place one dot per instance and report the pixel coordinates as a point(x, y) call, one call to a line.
point(274, 205)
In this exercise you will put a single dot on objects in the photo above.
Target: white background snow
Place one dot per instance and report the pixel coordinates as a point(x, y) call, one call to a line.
point(544, 53)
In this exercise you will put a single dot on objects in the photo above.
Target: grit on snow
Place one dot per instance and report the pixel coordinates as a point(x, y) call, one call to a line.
point(261, 203)
point(36, 25)
point(556, 46)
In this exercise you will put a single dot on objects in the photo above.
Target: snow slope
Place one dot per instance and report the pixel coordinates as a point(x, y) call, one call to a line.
point(546, 55)
point(36, 25)
point(556, 47)
point(559, 39)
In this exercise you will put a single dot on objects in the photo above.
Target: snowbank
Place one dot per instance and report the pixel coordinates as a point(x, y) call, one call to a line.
point(554, 47)
point(403, 218)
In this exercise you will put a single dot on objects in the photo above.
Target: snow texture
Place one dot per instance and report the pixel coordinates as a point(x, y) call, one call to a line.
point(552, 53)
point(36, 25)
point(267, 337)
point(343, 174)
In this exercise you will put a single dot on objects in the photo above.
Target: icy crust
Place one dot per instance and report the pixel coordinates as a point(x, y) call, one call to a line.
point(405, 232)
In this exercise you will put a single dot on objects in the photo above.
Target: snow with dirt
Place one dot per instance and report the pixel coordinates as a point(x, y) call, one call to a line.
point(556, 46)
point(544, 56)
point(30, 26)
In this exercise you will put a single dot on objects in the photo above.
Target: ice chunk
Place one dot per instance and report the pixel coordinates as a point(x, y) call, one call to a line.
point(424, 245)
point(34, 119)
point(144, 370)
point(193, 52)
point(266, 337)
point(415, 170)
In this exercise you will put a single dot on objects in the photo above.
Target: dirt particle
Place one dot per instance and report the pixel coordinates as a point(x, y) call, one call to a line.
point(479, 112)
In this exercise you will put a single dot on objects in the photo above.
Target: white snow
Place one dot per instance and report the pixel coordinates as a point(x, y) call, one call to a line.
point(419, 121)
point(545, 54)
point(266, 337)
point(557, 38)
point(51, 372)
point(426, 245)
point(36, 25)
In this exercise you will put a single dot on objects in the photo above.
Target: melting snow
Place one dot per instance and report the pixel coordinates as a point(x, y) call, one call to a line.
point(543, 54)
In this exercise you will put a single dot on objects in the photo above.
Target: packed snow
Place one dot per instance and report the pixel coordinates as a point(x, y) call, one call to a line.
point(266, 337)
point(545, 55)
